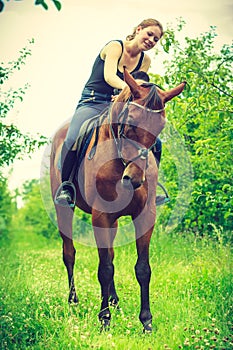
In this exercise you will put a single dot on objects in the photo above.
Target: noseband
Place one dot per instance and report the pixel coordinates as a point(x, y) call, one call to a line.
point(143, 152)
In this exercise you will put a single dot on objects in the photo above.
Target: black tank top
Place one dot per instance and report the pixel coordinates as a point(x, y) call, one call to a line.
point(97, 82)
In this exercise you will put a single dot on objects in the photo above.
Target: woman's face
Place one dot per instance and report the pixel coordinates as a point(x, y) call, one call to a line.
point(148, 37)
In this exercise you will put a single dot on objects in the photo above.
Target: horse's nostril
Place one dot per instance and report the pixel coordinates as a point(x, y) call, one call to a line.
point(126, 181)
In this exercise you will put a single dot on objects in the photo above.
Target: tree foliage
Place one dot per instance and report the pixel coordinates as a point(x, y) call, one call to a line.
point(6, 207)
point(203, 119)
point(42, 3)
point(14, 143)
point(33, 212)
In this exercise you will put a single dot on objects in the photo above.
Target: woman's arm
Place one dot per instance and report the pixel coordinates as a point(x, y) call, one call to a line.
point(111, 54)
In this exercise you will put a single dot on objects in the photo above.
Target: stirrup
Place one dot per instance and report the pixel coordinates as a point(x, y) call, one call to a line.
point(160, 200)
point(63, 202)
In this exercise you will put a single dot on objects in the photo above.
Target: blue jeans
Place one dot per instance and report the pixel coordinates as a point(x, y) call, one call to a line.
point(91, 104)
point(157, 151)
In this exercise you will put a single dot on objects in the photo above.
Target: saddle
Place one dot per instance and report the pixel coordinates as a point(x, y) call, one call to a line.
point(84, 137)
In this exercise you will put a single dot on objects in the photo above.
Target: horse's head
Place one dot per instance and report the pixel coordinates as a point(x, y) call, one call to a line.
point(139, 114)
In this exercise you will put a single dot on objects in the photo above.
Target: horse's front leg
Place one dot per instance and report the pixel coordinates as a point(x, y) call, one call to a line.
point(69, 261)
point(113, 297)
point(105, 232)
point(65, 217)
point(105, 276)
point(143, 274)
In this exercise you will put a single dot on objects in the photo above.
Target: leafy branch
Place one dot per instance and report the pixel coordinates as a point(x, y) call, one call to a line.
point(13, 143)
point(45, 6)
point(43, 3)
point(169, 41)
point(204, 77)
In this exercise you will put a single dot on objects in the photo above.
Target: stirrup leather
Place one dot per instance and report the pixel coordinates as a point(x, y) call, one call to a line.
point(162, 199)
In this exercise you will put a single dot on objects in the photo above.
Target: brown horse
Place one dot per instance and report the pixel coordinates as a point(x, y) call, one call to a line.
point(117, 177)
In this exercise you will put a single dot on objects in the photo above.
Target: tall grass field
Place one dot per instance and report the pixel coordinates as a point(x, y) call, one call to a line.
point(190, 293)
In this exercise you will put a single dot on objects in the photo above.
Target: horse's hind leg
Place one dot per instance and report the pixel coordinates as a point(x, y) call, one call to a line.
point(65, 217)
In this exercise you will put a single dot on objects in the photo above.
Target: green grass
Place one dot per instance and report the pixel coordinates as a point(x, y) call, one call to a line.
point(191, 296)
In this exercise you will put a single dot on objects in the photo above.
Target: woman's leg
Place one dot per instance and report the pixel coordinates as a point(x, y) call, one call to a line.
point(81, 115)
point(66, 195)
point(157, 151)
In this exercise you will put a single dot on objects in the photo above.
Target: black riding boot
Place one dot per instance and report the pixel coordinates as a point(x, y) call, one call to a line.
point(65, 195)
point(157, 152)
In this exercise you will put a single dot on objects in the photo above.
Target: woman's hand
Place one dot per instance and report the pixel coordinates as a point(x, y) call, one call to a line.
point(113, 97)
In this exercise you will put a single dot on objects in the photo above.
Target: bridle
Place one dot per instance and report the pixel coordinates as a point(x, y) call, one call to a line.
point(143, 152)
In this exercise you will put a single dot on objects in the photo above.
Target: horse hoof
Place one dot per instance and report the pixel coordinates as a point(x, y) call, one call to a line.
point(105, 325)
point(114, 303)
point(73, 299)
point(147, 328)
point(73, 302)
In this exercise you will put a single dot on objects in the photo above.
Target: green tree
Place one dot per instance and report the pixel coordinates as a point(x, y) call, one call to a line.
point(33, 212)
point(6, 207)
point(203, 117)
point(14, 144)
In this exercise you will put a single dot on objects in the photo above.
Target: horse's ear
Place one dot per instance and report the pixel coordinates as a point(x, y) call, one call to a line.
point(134, 87)
point(168, 95)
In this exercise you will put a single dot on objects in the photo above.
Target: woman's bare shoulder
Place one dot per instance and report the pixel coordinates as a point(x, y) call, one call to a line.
point(114, 47)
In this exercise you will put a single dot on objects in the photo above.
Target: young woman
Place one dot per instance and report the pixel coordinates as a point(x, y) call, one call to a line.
point(107, 75)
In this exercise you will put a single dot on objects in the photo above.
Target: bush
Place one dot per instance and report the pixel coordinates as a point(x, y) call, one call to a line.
point(6, 207)
point(33, 212)
point(203, 118)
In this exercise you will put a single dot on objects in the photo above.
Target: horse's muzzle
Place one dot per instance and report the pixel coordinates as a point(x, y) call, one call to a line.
point(129, 183)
